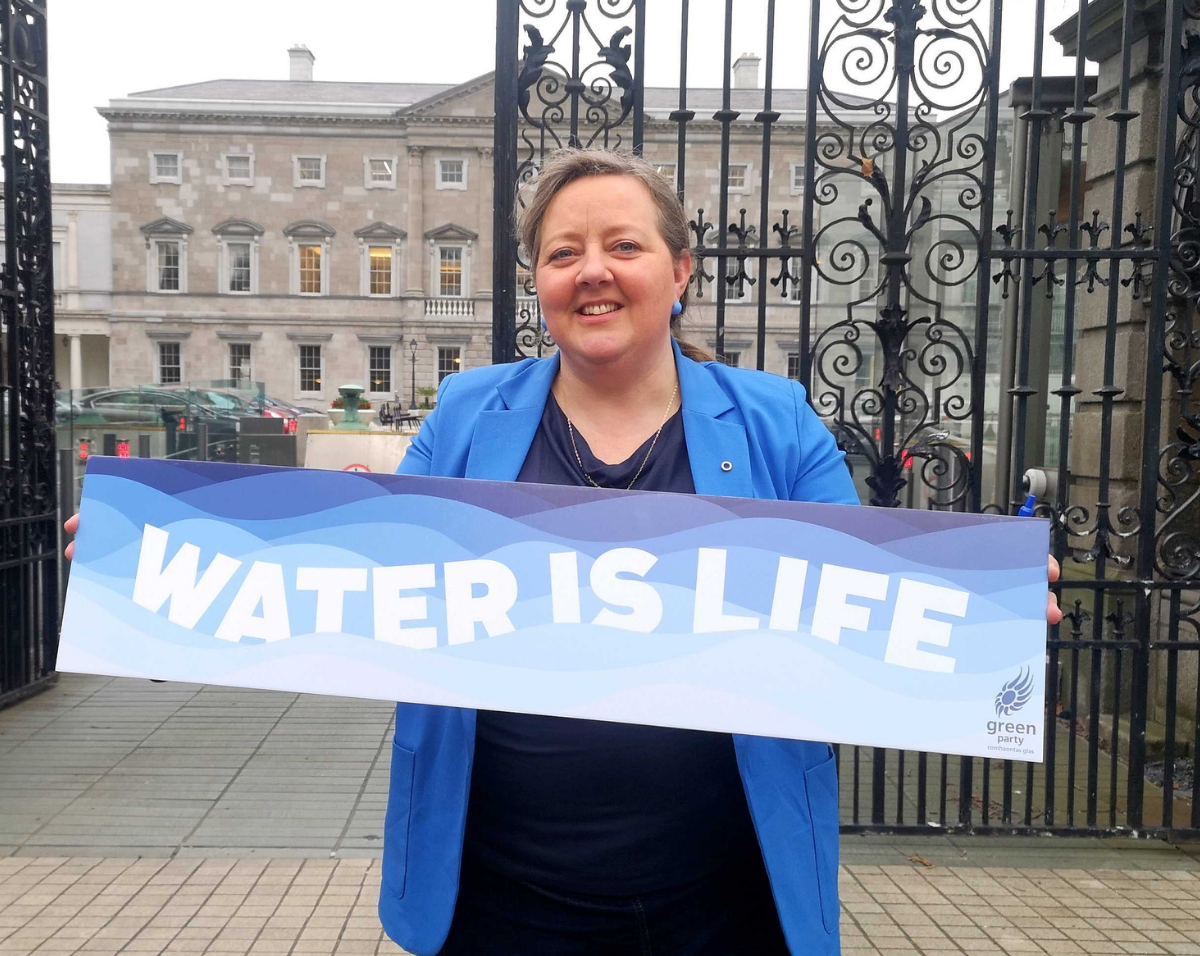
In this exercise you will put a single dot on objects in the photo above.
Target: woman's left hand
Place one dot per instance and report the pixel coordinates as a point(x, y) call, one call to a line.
point(1053, 611)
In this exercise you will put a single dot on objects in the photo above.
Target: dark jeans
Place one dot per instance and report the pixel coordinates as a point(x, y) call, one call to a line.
point(728, 914)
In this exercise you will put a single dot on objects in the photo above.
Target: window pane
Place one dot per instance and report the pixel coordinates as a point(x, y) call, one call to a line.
point(310, 270)
point(168, 266)
point(795, 287)
point(166, 165)
point(381, 170)
point(793, 365)
point(732, 288)
point(451, 271)
point(310, 169)
point(381, 368)
point(449, 361)
point(239, 266)
point(667, 171)
point(797, 177)
point(239, 361)
point(737, 176)
point(310, 368)
point(169, 366)
point(452, 171)
point(381, 270)
point(525, 289)
point(237, 167)
point(732, 359)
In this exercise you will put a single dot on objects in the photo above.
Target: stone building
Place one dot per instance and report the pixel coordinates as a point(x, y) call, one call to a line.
point(305, 233)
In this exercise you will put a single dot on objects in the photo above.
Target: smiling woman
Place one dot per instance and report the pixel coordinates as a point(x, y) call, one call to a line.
point(527, 834)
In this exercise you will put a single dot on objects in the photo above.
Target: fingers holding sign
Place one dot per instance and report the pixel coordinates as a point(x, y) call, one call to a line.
point(71, 527)
point(1053, 611)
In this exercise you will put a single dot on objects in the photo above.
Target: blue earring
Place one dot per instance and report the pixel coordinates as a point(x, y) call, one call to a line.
point(677, 308)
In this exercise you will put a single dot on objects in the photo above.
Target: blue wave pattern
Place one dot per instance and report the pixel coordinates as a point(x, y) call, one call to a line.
point(754, 681)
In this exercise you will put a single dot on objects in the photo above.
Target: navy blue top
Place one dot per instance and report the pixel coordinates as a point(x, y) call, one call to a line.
point(590, 806)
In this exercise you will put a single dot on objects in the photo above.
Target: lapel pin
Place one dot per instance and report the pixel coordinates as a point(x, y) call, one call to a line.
point(726, 466)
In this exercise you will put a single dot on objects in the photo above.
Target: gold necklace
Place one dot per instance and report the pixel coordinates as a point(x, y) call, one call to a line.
point(662, 425)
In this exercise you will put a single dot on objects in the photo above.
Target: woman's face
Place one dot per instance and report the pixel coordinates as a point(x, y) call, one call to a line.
point(605, 277)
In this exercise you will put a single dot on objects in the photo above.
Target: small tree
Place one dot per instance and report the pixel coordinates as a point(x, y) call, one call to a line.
point(426, 394)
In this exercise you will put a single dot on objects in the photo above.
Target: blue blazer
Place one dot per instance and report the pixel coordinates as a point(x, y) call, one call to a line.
point(483, 426)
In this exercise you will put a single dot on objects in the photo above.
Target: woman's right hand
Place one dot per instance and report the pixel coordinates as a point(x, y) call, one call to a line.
point(71, 527)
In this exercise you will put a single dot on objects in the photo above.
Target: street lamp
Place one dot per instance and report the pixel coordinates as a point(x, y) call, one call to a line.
point(412, 348)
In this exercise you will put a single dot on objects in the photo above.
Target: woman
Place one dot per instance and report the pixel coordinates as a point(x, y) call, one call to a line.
point(512, 834)
point(519, 835)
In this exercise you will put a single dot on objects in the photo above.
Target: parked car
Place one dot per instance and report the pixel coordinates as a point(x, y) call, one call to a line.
point(144, 405)
point(245, 402)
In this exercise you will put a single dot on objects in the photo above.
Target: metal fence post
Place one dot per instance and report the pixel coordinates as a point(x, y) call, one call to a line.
point(504, 173)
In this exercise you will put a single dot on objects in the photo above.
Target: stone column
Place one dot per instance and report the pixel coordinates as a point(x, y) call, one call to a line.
point(1124, 464)
point(76, 363)
point(71, 257)
point(417, 266)
point(482, 254)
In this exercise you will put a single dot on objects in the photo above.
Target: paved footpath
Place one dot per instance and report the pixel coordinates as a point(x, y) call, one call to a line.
point(170, 818)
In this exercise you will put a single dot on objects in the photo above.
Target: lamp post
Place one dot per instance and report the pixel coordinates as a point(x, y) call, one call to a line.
point(412, 348)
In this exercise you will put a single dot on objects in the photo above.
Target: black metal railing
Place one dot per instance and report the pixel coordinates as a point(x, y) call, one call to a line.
point(982, 288)
point(28, 493)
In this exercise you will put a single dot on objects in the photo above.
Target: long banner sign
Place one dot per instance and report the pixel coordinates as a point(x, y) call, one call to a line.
point(914, 630)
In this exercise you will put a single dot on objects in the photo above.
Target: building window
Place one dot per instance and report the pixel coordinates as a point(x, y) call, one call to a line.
point(170, 363)
point(732, 288)
point(168, 258)
point(739, 177)
point(452, 174)
point(667, 171)
point(308, 256)
point(239, 362)
point(379, 172)
point(449, 361)
point(793, 365)
point(310, 368)
point(380, 368)
point(525, 288)
point(166, 168)
point(237, 254)
point(310, 269)
point(450, 271)
point(380, 260)
point(166, 255)
point(308, 171)
point(797, 179)
point(796, 285)
point(237, 266)
point(239, 169)
point(732, 359)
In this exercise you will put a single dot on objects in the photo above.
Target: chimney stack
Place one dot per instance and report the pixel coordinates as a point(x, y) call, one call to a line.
point(745, 72)
point(301, 61)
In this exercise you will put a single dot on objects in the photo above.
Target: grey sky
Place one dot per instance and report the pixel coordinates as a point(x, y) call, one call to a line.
point(99, 51)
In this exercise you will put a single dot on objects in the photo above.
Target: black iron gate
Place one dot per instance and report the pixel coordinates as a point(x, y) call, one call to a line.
point(981, 286)
point(28, 493)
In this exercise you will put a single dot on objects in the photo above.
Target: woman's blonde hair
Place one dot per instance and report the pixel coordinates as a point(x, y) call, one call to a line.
point(567, 165)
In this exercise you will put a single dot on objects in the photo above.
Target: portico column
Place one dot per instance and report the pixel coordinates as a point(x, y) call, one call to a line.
point(76, 363)
point(482, 264)
point(416, 220)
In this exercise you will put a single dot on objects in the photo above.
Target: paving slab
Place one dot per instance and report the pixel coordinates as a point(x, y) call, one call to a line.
point(133, 820)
